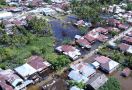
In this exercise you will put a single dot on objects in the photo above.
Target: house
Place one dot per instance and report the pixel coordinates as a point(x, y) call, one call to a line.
point(48, 11)
point(76, 76)
point(4, 85)
point(102, 38)
point(97, 81)
point(113, 22)
point(57, 1)
point(129, 34)
point(5, 15)
point(25, 70)
point(84, 68)
point(126, 72)
point(14, 80)
point(129, 50)
point(122, 26)
point(106, 64)
point(11, 77)
point(95, 64)
point(83, 43)
point(90, 38)
point(127, 40)
point(38, 63)
point(83, 23)
point(101, 30)
point(123, 47)
point(69, 50)
point(130, 21)
point(36, 3)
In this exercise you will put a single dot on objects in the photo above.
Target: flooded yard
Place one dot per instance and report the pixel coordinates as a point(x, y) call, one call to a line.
point(126, 83)
point(61, 31)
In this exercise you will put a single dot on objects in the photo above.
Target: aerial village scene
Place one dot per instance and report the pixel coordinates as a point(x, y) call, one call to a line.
point(65, 44)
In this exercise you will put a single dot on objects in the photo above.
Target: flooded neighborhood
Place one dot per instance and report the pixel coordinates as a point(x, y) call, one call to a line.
point(65, 45)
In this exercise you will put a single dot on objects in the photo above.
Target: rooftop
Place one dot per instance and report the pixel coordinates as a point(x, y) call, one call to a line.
point(102, 59)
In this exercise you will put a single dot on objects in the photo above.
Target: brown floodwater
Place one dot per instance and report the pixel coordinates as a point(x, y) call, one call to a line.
point(126, 83)
point(33, 87)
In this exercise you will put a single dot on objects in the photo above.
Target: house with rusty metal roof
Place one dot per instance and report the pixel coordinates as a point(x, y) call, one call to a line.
point(38, 63)
point(127, 40)
point(83, 43)
point(106, 64)
point(69, 50)
point(97, 81)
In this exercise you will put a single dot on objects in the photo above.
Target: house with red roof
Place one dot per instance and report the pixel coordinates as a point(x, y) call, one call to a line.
point(69, 50)
point(106, 64)
point(38, 63)
point(83, 43)
point(102, 38)
point(101, 30)
point(122, 26)
point(4, 85)
point(126, 72)
point(90, 38)
point(113, 22)
point(123, 47)
point(127, 40)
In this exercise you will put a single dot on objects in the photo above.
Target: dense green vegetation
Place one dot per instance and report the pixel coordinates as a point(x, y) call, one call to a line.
point(2, 2)
point(123, 58)
point(112, 84)
point(113, 33)
point(86, 10)
point(129, 6)
point(90, 9)
point(24, 42)
point(81, 85)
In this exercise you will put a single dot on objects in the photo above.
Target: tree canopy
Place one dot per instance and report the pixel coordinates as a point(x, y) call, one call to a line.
point(112, 84)
point(86, 10)
point(39, 26)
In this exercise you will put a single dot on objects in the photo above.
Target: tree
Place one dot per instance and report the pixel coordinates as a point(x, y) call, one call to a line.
point(39, 26)
point(112, 84)
point(60, 62)
point(2, 2)
point(87, 11)
point(81, 85)
point(129, 6)
point(48, 1)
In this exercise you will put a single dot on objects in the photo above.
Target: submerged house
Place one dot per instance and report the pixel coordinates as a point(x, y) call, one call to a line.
point(76, 76)
point(90, 38)
point(123, 47)
point(97, 81)
point(106, 64)
point(25, 71)
point(12, 80)
point(83, 43)
point(69, 50)
point(84, 70)
point(127, 40)
point(38, 63)
point(34, 65)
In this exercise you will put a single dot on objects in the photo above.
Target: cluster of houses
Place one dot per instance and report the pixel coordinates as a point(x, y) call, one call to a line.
point(98, 34)
point(21, 77)
point(89, 74)
point(125, 43)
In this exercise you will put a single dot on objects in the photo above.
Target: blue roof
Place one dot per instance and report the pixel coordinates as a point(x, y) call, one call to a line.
point(76, 76)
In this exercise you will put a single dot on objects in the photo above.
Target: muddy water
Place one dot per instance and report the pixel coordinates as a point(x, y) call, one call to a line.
point(34, 87)
point(126, 83)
